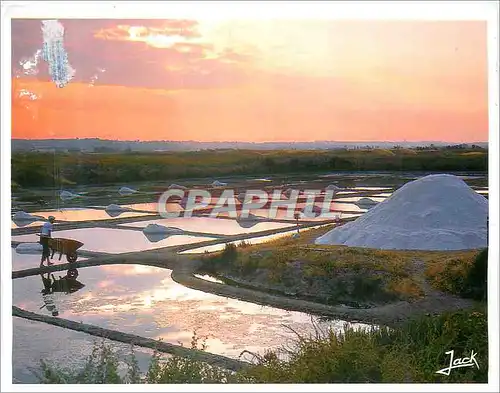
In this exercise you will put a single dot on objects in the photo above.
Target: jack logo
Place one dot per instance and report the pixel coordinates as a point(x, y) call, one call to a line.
point(459, 362)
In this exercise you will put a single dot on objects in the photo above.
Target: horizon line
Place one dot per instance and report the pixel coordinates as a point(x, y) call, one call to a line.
point(248, 142)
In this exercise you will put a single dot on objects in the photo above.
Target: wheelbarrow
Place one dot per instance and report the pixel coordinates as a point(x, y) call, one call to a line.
point(66, 247)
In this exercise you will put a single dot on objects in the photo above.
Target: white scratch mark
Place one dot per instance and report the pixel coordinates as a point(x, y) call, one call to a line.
point(30, 65)
point(54, 53)
point(95, 77)
point(32, 96)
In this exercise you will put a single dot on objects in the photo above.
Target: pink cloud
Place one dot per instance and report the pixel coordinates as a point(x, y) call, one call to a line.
point(136, 53)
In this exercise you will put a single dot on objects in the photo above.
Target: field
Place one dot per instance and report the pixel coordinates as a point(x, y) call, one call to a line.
point(37, 169)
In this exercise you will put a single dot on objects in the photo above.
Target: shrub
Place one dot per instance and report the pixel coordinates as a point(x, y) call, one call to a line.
point(215, 263)
point(409, 353)
point(102, 367)
point(475, 283)
point(464, 276)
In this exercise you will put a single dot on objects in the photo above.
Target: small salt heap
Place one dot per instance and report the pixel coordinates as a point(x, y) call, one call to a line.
point(334, 188)
point(66, 195)
point(22, 219)
point(114, 210)
point(218, 183)
point(366, 203)
point(126, 191)
point(436, 212)
point(161, 229)
point(155, 232)
point(249, 221)
point(174, 186)
point(29, 248)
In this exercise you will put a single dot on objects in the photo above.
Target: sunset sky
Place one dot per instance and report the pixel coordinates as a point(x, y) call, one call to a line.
point(256, 80)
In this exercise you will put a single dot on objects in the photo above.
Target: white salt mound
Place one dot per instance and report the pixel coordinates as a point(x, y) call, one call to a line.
point(23, 216)
point(116, 208)
point(218, 183)
point(161, 229)
point(436, 212)
point(248, 222)
point(29, 248)
point(66, 195)
point(366, 203)
point(174, 186)
point(333, 187)
point(126, 191)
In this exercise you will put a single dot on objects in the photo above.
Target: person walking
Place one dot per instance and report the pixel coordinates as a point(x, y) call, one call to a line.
point(45, 235)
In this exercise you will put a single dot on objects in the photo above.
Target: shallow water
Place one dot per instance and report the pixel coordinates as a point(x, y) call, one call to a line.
point(115, 240)
point(355, 199)
point(146, 301)
point(210, 225)
point(343, 207)
point(36, 341)
point(78, 215)
point(32, 224)
point(29, 261)
point(84, 214)
point(371, 188)
point(255, 240)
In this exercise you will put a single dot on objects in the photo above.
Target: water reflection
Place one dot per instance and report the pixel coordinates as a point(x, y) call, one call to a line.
point(146, 301)
point(116, 240)
point(75, 214)
point(156, 233)
point(254, 240)
point(67, 284)
point(211, 225)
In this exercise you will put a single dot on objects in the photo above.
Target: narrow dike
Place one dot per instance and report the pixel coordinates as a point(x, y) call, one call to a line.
point(184, 275)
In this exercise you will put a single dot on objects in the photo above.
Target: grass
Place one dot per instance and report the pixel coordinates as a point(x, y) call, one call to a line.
point(103, 367)
point(412, 353)
point(462, 274)
point(346, 273)
point(409, 354)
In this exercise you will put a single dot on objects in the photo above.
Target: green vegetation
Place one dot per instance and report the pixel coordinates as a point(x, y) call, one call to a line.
point(349, 275)
point(411, 353)
point(328, 274)
point(35, 169)
point(463, 275)
point(102, 367)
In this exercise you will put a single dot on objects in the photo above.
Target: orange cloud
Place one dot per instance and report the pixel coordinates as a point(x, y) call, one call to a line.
point(153, 36)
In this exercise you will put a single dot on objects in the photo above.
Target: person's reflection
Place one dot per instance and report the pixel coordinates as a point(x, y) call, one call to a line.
point(67, 284)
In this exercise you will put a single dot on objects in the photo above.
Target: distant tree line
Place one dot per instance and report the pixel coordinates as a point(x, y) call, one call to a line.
point(30, 169)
